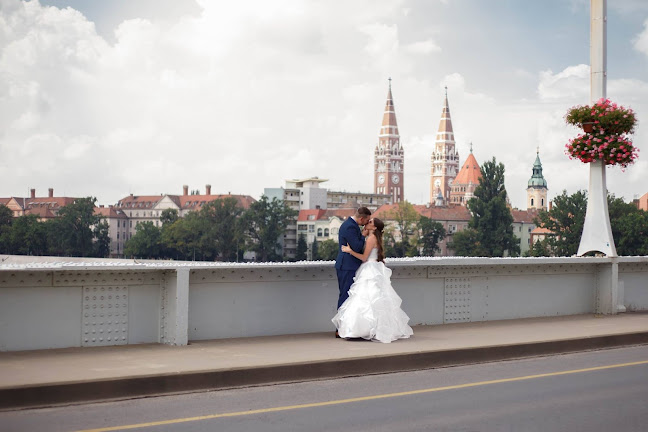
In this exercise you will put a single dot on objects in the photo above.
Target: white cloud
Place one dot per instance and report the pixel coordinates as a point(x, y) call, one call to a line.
point(641, 41)
point(423, 47)
point(246, 95)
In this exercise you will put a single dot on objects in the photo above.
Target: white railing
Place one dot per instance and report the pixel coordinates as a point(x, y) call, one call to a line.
point(53, 302)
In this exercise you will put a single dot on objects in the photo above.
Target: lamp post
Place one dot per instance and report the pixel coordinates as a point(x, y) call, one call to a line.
point(597, 231)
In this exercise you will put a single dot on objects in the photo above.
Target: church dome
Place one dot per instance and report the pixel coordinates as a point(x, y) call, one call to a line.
point(537, 179)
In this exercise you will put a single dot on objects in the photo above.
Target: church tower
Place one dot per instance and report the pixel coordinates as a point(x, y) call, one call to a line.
point(464, 185)
point(537, 187)
point(389, 156)
point(445, 159)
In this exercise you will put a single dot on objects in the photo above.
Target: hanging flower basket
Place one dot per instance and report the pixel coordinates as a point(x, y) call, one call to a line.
point(606, 126)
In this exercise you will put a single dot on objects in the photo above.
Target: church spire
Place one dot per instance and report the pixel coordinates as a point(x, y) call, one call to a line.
point(445, 159)
point(537, 186)
point(388, 155)
point(389, 123)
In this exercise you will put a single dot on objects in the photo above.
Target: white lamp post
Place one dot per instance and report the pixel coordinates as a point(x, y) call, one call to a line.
point(597, 231)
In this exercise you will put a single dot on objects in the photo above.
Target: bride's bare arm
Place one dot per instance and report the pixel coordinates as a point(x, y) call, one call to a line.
point(371, 243)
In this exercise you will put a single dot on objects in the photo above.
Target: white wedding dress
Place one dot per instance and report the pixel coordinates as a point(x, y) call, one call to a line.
point(372, 310)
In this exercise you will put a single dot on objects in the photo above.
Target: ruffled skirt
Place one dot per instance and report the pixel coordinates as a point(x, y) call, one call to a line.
point(372, 310)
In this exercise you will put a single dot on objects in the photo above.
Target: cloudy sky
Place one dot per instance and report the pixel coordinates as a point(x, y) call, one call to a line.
point(108, 98)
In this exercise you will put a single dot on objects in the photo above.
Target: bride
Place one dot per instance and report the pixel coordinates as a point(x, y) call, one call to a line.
point(372, 310)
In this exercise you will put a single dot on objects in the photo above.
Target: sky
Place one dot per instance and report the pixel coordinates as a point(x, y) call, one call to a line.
point(109, 98)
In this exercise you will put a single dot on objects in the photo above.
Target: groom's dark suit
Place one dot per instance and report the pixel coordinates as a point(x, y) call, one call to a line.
point(346, 264)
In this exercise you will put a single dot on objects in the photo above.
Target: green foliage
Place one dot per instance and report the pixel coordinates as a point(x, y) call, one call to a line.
point(302, 248)
point(327, 250)
point(629, 227)
point(565, 220)
point(467, 242)
point(491, 217)
point(74, 232)
point(222, 229)
point(146, 243)
point(432, 233)
point(315, 251)
point(6, 219)
point(405, 219)
point(169, 216)
point(28, 236)
point(263, 224)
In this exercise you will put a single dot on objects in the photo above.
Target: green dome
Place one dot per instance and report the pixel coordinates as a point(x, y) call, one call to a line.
point(537, 180)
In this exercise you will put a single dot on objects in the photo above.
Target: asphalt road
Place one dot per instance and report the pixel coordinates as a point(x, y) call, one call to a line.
point(591, 391)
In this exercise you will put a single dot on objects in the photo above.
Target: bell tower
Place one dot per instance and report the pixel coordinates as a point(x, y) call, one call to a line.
point(389, 156)
point(537, 186)
point(445, 158)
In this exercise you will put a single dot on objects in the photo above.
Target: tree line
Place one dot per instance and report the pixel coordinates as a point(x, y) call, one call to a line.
point(223, 231)
point(77, 231)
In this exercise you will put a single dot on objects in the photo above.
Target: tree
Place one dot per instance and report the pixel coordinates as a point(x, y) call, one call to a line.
point(28, 236)
point(263, 224)
point(169, 216)
point(629, 227)
point(565, 220)
point(315, 251)
point(6, 219)
point(74, 232)
point(432, 233)
point(302, 248)
point(491, 217)
point(328, 250)
point(467, 242)
point(405, 219)
point(146, 243)
point(222, 230)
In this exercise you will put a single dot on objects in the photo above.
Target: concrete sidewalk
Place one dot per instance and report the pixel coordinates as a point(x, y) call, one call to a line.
point(72, 375)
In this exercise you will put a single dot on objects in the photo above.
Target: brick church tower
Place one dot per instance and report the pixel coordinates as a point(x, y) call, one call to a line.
point(389, 156)
point(445, 159)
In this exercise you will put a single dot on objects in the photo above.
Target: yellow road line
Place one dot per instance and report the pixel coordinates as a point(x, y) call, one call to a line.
point(359, 399)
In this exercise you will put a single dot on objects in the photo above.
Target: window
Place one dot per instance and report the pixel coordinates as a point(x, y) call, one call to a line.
point(319, 232)
point(301, 227)
point(326, 232)
point(531, 202)
point(117, 236)
point(118, 225)
point(311, 228)
point(311, 217)
point(131, 224)
point(334, 231)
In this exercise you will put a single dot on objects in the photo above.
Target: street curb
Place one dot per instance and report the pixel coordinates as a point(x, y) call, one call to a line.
point(34, 396)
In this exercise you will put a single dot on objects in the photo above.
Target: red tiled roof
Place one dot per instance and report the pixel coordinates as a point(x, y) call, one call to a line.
point(193, 201)
point(110, 212)
point(540, 230)
point(469, 173)
point(452, 213)
point(342, 213)
point(304, 214)
point(131, 201)
point(524, 216)
point(42, 212)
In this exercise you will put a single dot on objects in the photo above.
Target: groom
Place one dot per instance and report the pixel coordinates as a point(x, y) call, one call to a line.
point(346, 264)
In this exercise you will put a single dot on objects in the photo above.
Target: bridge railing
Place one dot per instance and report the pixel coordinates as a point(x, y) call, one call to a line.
point(55, 303)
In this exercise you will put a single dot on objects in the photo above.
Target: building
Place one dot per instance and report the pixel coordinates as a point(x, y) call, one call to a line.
point(642, 203)
point(149, 208)
point(43, 207)
point(321, 225)
point(463, 187)
point(537, 187)
point(118, 230)
point(453, 219)
point(306, 194)
point(389, 160)
point(445, 158)
point(523, 226)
